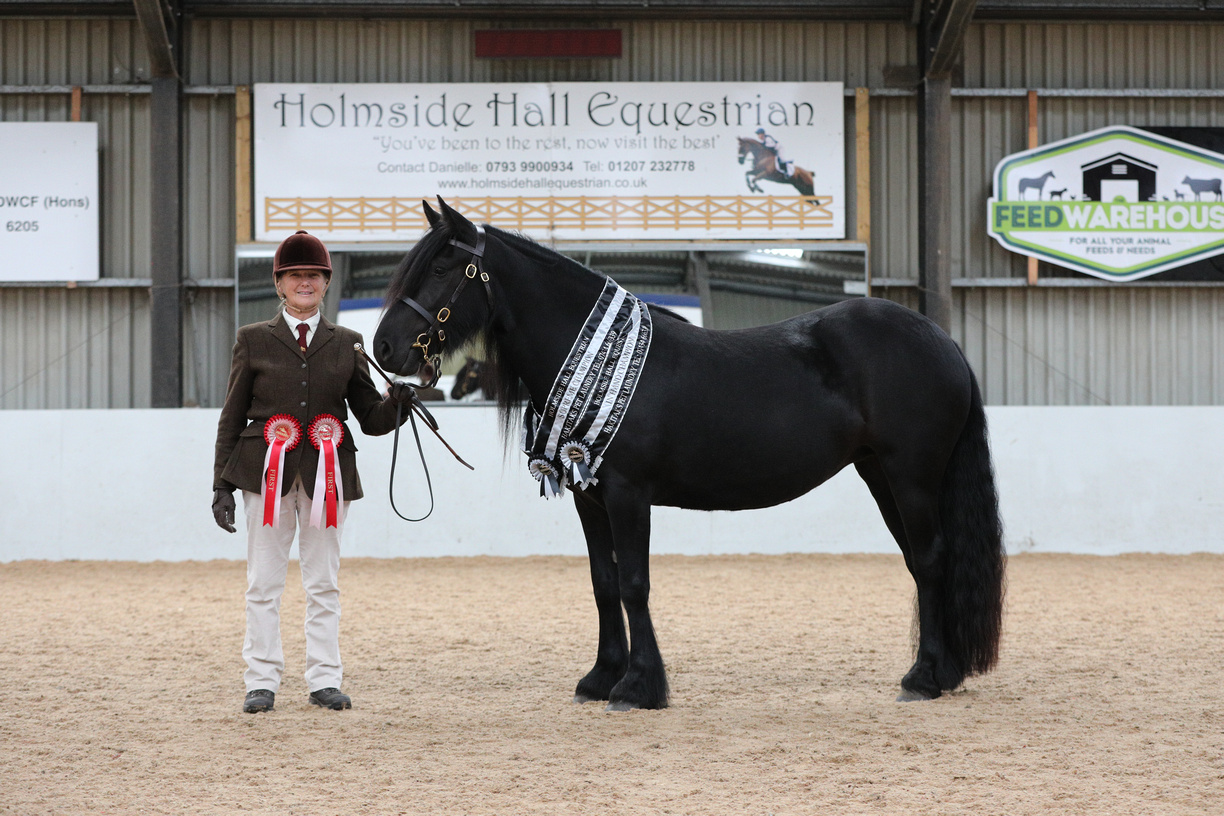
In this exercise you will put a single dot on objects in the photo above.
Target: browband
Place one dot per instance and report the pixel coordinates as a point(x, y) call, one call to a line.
point(477, 250)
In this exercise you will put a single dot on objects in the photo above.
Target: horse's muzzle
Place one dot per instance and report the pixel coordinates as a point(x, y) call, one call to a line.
point(411, 363)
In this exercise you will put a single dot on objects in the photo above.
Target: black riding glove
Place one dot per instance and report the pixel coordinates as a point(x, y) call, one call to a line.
point(223, 509)
point(402, 393)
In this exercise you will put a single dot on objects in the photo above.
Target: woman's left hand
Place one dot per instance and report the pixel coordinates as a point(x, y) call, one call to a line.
point(402, 393)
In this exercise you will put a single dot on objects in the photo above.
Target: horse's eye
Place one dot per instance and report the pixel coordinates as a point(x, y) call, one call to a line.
point(439, 271)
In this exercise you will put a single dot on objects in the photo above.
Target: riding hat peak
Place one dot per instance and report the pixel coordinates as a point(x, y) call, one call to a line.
point(301, 251)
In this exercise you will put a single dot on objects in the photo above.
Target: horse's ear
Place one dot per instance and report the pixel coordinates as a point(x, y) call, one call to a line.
point(461, 225)
point(430, 214)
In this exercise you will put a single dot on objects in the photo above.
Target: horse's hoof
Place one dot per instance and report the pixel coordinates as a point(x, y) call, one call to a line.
point(579, 699)
point(619, 705)
point(910, 696)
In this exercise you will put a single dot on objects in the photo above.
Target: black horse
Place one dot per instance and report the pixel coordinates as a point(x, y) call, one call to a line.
point(475, 376)
point(864, 382)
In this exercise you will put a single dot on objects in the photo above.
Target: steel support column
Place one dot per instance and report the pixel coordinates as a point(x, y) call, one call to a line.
point(166, 299)
point(159, 21)
point(935, 199)
point(941, 34)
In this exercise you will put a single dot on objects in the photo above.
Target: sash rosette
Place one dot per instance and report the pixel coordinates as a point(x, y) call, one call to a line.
point(546, 474)
point(282, 433)
point(577, 460)
point(326, 433)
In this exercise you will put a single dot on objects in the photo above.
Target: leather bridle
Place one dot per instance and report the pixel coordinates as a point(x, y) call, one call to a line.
point(436, 330)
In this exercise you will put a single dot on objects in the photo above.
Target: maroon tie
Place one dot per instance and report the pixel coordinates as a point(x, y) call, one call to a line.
point(302, 335)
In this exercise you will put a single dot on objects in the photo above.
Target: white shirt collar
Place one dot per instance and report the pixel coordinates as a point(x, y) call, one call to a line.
point(311, 322)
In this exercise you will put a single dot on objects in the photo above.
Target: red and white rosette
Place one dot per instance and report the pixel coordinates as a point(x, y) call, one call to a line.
point(326, 433)
point(282, 433)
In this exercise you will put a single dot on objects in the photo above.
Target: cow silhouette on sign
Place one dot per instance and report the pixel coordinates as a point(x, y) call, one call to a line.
point(1200, 186)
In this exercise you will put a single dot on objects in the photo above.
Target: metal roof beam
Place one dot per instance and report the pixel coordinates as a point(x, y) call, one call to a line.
point(943, 33)
point(158, 23)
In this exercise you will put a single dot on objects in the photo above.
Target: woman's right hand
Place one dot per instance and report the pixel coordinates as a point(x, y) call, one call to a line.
point(223, 509)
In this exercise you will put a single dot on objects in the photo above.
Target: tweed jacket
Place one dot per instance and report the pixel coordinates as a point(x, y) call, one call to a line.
point(271, 375)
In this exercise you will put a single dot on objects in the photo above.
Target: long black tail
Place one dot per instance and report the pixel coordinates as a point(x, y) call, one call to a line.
point(973, 532)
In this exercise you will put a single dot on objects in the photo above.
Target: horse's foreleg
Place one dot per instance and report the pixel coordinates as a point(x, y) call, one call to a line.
point(645, 682)
point(612, 656)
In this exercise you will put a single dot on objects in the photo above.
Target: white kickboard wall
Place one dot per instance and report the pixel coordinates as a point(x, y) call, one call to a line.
point(136, 485)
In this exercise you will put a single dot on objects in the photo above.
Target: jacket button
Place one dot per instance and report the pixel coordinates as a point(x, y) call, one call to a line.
point(303, 383)
point(303, 365)
point(303, 404)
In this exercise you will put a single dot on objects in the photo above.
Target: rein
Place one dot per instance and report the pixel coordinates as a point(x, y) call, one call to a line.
point(416, 407)
point(436, 331)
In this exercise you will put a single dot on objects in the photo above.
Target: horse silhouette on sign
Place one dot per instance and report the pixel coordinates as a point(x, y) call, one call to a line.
point(1035, 184)
point(765, 168)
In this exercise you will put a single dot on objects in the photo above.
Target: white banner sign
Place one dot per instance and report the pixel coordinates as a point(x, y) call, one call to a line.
point(48, 201)
point(571, 161)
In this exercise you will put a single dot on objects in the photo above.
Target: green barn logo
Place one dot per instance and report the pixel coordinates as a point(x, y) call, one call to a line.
point(1118, 203)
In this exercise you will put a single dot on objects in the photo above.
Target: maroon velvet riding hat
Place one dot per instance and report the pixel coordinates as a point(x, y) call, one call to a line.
point(301, 251)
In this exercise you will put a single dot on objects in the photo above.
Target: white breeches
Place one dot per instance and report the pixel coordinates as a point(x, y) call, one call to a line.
point(267, 562)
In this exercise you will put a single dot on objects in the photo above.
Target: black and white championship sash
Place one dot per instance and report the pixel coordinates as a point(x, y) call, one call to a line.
point(589, 398)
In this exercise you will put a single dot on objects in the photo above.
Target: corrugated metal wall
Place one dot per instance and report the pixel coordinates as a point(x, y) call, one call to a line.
point(1093, 345)
point(1120, 345)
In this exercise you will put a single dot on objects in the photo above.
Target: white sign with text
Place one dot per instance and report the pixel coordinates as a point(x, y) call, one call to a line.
point(49, 201)
point(574, 161)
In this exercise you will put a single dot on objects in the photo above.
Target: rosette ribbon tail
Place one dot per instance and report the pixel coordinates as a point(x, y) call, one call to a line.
point(328, 489)
point(326, 433)
point(550, 487)
point(580, 474)
point(282, 433)
point(274, 466)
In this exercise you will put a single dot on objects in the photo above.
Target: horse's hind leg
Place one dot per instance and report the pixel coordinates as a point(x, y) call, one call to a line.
point(873, 474)
point(909, 501)
point(612, 657)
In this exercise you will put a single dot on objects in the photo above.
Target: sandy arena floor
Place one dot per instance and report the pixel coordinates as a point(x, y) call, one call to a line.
point(124, 687)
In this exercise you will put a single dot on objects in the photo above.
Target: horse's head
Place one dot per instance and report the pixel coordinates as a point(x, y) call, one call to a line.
point(745, 147)
point(439, 296)
point(467, 379)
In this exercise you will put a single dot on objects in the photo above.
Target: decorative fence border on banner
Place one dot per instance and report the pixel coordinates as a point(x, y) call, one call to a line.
point(555, 212)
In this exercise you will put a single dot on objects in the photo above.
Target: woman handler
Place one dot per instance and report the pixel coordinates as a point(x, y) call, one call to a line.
point(284, 413)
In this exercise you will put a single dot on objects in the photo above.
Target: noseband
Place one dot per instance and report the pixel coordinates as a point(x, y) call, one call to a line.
point(436, 331)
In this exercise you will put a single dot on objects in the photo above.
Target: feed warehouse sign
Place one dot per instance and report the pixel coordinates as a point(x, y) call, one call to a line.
point(578, 160)
point(48, 201)
point(1118, 203)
